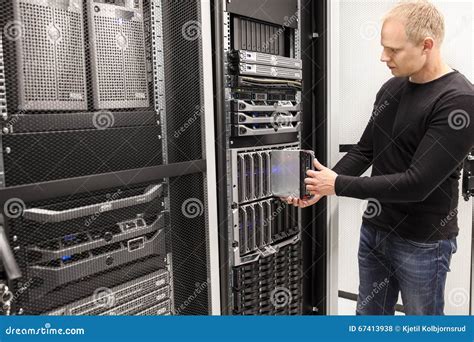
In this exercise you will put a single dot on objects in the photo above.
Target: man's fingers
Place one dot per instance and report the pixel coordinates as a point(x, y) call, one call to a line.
point(318, 165)
point(312, 174)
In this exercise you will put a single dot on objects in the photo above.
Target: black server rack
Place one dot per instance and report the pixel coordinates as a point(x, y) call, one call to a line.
point(93, 213)
point(272, 255)
point(262, 81)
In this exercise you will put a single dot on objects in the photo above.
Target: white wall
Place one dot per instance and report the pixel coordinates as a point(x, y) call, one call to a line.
point(356, 74)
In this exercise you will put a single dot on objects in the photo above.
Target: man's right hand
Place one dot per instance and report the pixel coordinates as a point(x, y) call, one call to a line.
point(302, 203)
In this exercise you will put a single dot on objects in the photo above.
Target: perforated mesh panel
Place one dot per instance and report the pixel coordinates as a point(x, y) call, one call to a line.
point(51, 55)
point(189, 244)
point(183, 76)
point(66, 260)
point(184, 119)
point(118, 52)
point(41, 157)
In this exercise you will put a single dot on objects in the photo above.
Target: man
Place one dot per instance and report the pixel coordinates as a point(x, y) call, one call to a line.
point(420, 131)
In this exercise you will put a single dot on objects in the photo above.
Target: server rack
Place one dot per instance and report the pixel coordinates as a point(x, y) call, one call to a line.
point(94, 215)
point(272, 256)
point(259, 68)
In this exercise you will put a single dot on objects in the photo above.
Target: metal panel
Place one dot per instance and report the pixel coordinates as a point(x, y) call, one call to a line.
point(268, 71)
point(3, 89)
point(50, 55)
point(210, 153)
point(154, 283)
point(276, 11)
point(118, 55)
point(265, 59)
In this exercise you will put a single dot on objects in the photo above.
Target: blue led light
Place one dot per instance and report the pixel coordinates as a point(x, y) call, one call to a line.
point(70, 237)
point(66, 257)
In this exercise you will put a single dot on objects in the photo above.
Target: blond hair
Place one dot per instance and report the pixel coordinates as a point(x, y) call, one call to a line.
point(421, 18)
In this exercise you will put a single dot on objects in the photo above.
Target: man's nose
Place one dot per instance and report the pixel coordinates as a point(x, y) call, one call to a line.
point(384, 57)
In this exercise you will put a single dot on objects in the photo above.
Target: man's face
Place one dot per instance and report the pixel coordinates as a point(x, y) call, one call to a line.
point(402, 57)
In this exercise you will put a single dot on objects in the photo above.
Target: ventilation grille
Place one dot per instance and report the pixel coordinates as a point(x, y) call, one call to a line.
point(270, 285)
point(138, 296)
point(118, 56)
point(51, 55)
point(40, 157)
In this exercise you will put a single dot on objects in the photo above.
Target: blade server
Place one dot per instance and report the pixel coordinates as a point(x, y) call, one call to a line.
point(263, 81)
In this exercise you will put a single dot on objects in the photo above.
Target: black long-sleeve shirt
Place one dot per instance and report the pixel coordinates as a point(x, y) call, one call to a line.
point(416, 140)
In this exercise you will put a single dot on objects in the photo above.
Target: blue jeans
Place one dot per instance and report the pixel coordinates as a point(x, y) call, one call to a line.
point(389, 264)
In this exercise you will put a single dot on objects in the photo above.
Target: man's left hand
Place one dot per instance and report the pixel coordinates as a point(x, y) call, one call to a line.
point(321, 182)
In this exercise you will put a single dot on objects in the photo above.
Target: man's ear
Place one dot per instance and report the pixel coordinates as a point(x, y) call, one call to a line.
point(428, 44)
